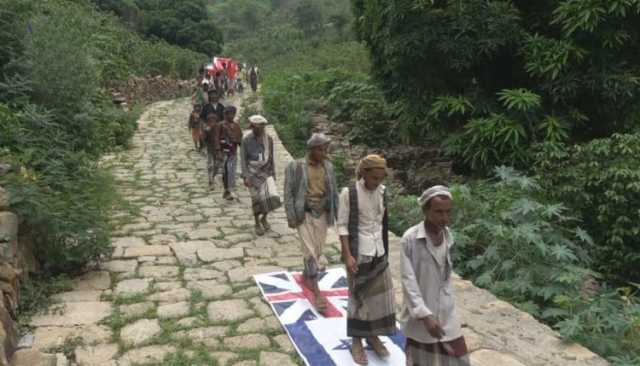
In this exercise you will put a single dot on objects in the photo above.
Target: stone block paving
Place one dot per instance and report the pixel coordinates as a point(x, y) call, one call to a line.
point(179, 285)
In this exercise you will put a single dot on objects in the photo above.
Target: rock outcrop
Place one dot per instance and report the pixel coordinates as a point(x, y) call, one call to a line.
point(16, 262)
point(148, 90)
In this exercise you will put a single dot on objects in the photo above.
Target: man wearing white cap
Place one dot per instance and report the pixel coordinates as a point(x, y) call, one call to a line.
point(430, 323)
point(258, 172)
point(311, 202)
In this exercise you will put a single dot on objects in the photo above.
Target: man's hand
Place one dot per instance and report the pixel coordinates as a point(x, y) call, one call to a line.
point(247, 183)
point(352, 265)
point(433, 327)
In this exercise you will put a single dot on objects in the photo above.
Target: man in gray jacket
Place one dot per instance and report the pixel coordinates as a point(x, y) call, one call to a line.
point(430, 323)
point(311, 203)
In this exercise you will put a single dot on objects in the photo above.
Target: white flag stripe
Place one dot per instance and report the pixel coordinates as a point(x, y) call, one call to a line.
point(295, 311)
point(332, 276)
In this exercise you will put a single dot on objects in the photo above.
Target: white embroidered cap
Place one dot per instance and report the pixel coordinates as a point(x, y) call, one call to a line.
point(434, 192)
point(258, 120)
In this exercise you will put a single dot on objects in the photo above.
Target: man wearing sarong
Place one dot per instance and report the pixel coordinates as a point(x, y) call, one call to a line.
point(311, 202)
point(230, 139)
point(430, 323)
point(258, 172)
point(214, 150)
point(363, 230)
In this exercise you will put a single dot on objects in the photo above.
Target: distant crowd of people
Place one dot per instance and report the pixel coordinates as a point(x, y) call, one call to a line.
point(216, 133)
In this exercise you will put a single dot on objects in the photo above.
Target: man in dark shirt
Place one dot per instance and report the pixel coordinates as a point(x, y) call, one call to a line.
point(230, 139)
point(214, 106)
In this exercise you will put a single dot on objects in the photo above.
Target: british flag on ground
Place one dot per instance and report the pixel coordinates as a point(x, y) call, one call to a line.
point(320, 340)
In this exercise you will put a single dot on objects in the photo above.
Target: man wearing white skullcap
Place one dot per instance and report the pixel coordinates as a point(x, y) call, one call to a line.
point(311, 204)
point(429, 319)
point(258, 173)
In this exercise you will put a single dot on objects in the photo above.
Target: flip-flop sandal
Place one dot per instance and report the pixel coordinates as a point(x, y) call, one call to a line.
point(380, 350)
point(359, 357)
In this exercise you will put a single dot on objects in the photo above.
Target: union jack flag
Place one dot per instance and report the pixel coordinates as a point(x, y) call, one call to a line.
point(320, 340)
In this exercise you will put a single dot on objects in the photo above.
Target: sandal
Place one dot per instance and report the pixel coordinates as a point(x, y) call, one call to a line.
point(359, 357)
point(259, 230)
point(379, 348)
point(265, 224)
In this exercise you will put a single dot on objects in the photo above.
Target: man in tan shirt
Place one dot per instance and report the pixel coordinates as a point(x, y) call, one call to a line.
point(310, 199)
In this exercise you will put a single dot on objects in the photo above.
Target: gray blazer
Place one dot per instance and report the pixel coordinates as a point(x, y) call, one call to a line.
point(295, 192)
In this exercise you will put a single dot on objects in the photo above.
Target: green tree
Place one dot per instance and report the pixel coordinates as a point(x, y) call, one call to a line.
point(308, 16)
point(184, 23)
point(578, 57)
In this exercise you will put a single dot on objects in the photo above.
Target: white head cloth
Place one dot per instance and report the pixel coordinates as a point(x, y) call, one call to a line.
point(318, 139)
point(434, 192)
point(258, 120)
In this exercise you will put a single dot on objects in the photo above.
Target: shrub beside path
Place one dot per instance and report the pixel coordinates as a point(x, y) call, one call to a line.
point(178, 289)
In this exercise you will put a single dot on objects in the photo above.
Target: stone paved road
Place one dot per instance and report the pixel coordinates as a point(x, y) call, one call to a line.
point(178, 286)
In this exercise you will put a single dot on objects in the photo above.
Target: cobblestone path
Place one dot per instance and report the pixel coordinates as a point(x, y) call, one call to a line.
point(178, 289)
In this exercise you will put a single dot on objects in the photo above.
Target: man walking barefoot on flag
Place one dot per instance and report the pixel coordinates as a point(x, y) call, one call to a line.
point(363, 230)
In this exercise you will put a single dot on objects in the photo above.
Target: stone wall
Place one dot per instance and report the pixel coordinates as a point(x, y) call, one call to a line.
point(149, 90)
point(16, 261)
point(8, 278)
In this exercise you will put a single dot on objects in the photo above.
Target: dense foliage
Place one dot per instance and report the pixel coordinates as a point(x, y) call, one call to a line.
point(506, 74)
point(57, 119)
point(600, 181)
point(277, 33)
point(528, 250)
point(184, 23)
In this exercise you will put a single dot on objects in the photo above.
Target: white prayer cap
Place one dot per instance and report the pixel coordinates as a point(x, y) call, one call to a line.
point(318, 139)
point(257, 119)
point(433, 192)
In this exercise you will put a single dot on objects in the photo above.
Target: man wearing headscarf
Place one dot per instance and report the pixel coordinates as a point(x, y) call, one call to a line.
point(363, 230)
point(311, 203)
point(430, 323)
point(258, 172)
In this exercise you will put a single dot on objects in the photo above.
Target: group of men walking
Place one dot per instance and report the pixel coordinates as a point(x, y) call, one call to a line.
point(359, 211)
point(214, 130)
point(224, 81)
point(313, 203)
